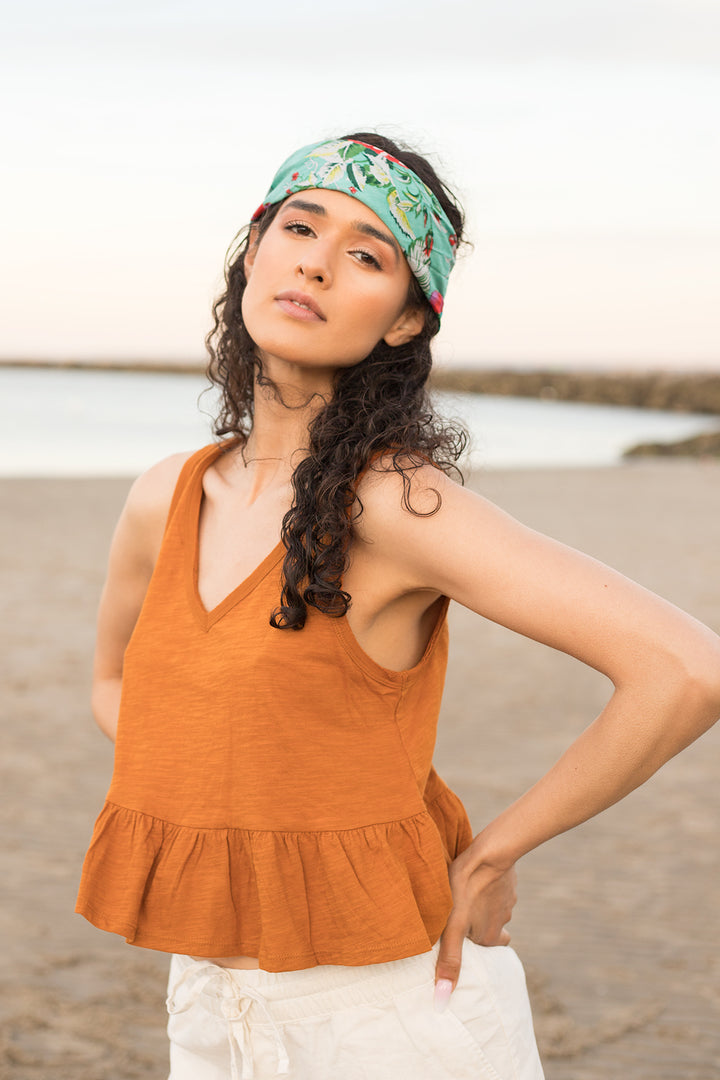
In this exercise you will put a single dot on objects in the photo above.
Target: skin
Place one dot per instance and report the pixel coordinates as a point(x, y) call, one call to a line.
point(664, 666)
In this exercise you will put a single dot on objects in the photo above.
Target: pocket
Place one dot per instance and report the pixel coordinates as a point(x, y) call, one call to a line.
point(440, 1047)
point(491, 1003)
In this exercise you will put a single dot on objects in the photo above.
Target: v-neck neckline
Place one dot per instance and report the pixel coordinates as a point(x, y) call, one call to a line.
point(207, 618)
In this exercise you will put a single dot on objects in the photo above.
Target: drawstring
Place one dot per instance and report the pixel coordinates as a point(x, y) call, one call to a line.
point(234, 1010)
point(235, 1004)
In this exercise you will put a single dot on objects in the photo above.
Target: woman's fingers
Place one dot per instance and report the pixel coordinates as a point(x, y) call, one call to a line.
point(484, 899)
point(449, 961)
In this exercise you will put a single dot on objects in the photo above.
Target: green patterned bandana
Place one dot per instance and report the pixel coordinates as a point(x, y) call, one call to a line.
point(399, 198)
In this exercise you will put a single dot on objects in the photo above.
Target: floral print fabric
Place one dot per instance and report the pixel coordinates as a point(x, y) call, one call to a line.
point(392, 191)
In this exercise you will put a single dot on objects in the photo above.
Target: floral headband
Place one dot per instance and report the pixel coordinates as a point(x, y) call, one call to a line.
point(397, 195)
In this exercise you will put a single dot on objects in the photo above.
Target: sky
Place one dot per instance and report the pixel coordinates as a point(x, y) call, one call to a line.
point(581, 136)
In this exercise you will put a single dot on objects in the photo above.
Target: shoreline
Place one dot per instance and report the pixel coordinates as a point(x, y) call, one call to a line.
point(164, 367)
point(675, 391)
point(696, 392)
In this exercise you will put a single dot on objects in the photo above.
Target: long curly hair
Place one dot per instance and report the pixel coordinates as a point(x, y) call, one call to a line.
point(380, 406)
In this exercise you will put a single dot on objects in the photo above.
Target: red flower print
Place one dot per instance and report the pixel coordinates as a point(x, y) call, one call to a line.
point(436, 301)
point(353, 190)
point(260, 210)
point(453, 240)
point(295, 175)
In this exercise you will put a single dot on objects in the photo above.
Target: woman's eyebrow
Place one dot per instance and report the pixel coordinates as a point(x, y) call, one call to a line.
point(308, 207)
point(358, 226)
point(370, 230)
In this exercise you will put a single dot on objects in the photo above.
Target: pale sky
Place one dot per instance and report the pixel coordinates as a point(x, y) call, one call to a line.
point(582, 138)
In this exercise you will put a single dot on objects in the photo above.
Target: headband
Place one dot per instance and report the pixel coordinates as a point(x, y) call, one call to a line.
point(397, 195)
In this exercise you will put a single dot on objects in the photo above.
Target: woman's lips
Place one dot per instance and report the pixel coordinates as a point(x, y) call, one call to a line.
point(300, 306)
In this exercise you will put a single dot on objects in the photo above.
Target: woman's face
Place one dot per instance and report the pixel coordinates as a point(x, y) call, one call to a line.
point(326, 283)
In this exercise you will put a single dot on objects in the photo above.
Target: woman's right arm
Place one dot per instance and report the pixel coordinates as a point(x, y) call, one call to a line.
point(133, 552)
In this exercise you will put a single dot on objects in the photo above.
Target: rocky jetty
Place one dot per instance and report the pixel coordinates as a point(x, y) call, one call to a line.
point(679, 392)
point(706, 445)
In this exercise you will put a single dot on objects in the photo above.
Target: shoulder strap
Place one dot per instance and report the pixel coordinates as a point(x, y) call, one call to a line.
point(200, 459)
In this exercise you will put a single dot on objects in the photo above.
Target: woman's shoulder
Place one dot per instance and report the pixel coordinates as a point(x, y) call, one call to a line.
point(397, 484)
point(403, 524)
point(413, 510)
point(151, 493)
point(398, 496)
point(144, 516)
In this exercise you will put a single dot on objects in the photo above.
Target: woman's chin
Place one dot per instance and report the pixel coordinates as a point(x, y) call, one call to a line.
point(282, 358)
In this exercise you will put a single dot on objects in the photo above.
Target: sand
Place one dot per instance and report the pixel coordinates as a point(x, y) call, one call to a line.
point(618, 922)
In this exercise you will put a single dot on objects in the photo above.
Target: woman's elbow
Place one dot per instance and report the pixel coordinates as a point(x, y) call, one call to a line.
point(707, 689)
point(699, 685)
point(105, 704)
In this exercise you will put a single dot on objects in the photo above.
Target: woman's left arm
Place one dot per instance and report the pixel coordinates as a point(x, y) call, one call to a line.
point(664, 666)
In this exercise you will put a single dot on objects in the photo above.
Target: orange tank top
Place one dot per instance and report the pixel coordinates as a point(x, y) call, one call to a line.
point(273, 792)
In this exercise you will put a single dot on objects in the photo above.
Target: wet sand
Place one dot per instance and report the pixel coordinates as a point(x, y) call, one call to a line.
point(618, 922)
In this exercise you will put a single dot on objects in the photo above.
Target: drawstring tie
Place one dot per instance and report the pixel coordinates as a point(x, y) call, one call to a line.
point(235, 1003)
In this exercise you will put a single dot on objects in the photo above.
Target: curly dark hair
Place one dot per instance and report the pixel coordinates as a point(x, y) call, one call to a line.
point(379, 406)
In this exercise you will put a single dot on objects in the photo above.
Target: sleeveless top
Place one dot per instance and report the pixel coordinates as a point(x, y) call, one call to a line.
point(273, 792)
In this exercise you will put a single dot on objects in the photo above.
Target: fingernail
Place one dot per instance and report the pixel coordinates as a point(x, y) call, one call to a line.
point(441, 999)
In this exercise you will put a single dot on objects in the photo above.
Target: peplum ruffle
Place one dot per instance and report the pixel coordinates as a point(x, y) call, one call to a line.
point(449, 815)
point(355, 896)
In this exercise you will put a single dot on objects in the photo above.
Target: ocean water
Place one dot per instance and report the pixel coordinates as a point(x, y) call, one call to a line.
point(71, 422)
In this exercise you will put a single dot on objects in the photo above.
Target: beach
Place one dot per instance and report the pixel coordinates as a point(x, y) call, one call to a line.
point(618, 922)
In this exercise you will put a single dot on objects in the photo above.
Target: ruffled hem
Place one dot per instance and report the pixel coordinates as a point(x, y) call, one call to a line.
point(292, 899)
point(450, 817)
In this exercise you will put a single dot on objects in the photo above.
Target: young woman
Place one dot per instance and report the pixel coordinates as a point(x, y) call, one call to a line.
point(272, 637)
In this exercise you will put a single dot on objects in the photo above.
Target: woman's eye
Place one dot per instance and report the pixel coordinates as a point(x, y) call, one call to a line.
point(299, 227)
point(368, 259)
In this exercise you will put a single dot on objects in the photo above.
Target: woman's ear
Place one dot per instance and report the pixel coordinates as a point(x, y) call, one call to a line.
point(252, 246)
point(408, 326)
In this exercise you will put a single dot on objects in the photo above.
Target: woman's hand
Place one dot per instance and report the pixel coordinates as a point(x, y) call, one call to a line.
point(483, 899)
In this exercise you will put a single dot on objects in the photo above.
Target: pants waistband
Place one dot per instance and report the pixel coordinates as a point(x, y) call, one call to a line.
point(293, 995)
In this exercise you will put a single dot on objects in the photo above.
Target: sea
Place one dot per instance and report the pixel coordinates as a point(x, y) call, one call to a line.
point(75, 422)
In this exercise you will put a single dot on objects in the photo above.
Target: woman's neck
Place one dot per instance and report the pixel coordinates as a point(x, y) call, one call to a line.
point(282, 413)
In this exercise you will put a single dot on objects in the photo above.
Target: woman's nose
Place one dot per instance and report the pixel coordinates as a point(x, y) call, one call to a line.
point(316, 266)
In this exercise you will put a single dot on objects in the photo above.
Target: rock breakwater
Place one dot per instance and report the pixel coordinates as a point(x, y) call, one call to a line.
point(678, 392)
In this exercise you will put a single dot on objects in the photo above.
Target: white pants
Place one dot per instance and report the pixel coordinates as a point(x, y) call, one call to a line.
point(352, 1023)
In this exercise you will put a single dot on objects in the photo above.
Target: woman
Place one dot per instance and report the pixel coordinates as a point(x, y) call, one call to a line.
point(274, 819)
